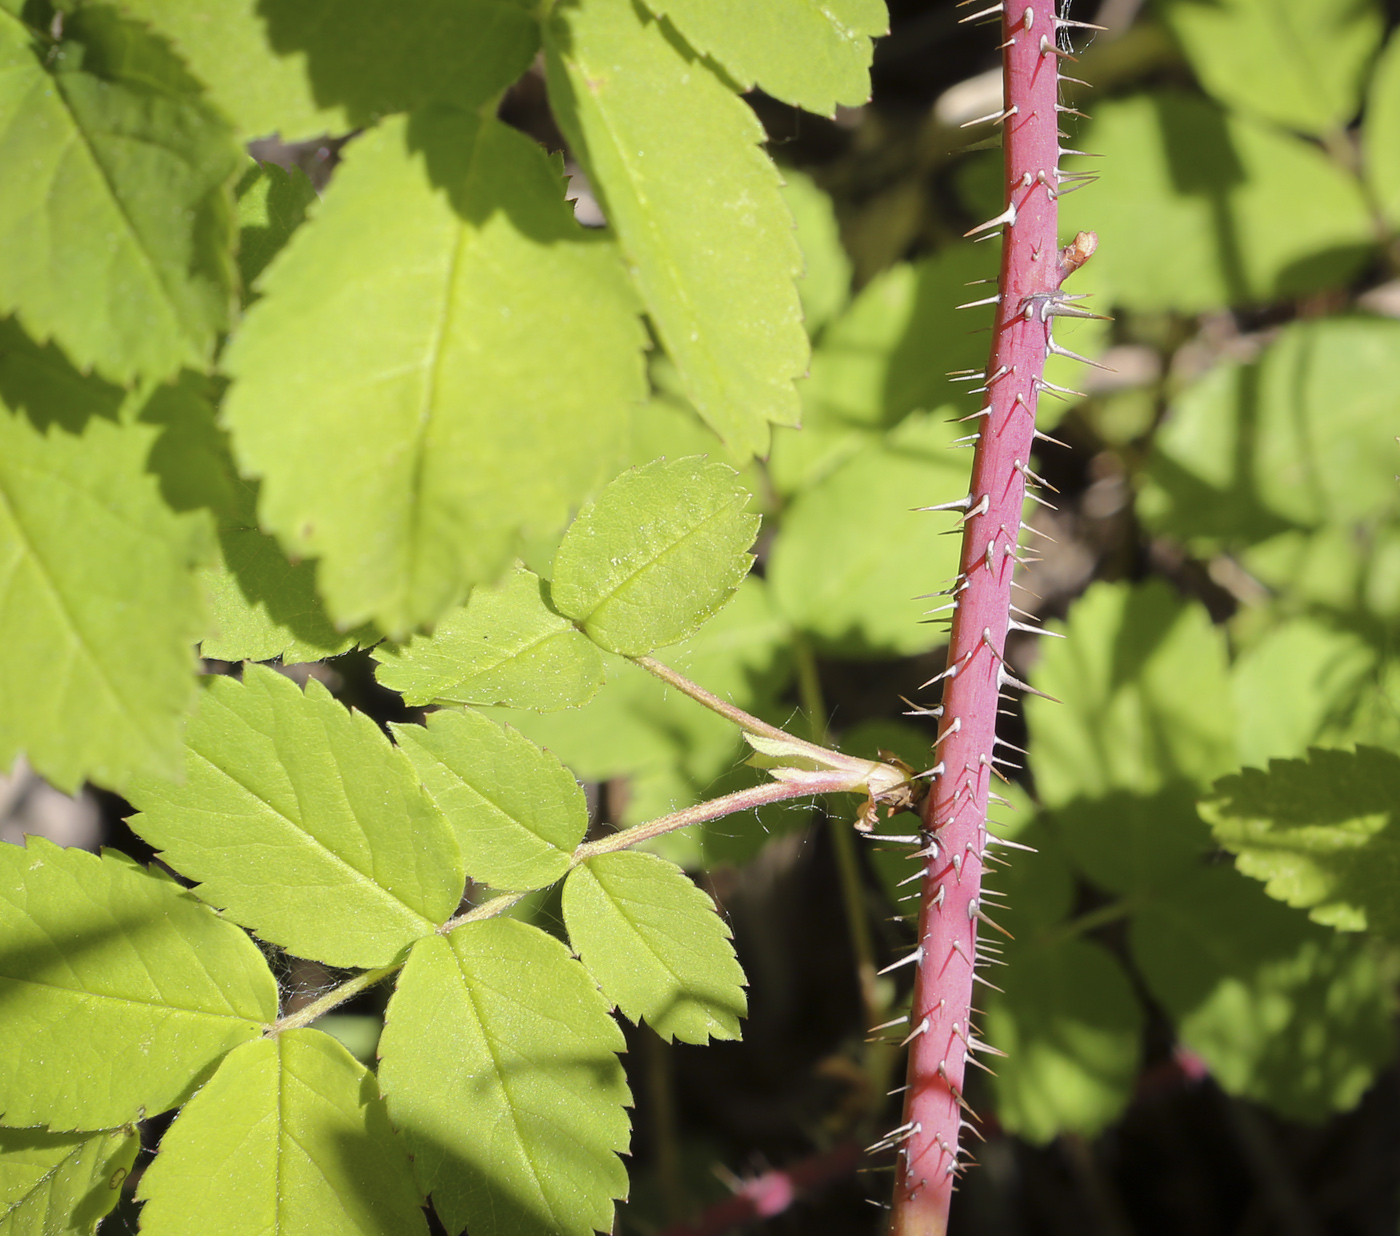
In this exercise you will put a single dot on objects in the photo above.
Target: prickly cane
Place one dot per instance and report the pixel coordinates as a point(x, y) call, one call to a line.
point(954, 841)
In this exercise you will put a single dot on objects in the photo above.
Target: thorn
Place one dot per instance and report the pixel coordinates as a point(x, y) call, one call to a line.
point(977, 978)
point(885, 1025)
point(1005, 678)
point(1049, 506)
point(918, 875)
point(952, 729)
point(1062, 23)
point(1083, 154)
point(1043, 385)
point(984, 504)
point(972, 416)
point(1071, 111)
point(921, 1028)
point(982, 917)
point(1078, 81)
point(977, 304)
point(1030, 630)
point(1031, 476)
point(1047, 48)
point(916, 711)
point(1007, 843)
point(991, 12)
point(1045, 437)
point(1007, 216)
point(1055, 348)
point(959, 504)
point(964, 441)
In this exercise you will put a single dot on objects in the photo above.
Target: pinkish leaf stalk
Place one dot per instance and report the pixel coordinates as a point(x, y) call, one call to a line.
point(955, 812)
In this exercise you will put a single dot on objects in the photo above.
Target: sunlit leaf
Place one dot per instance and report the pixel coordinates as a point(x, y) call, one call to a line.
point(60, 1184)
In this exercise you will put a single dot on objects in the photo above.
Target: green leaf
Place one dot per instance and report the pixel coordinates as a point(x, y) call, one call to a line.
point(659, 552)
point(499, 1070)
point(1380, 131)
point(303, 68)
point(1071, 1028)
point(1282, 1011)
point(272, 204)
point(303, 823)
point(505, 646)
point(1300, 63)
point(1146, 697)
point(1300, 438)
point(407, 448)
point(1207, 208)
point(57, 1184)
point(840, 567)
point(99, 604)
point(714, 256)
point(825, 286)
point(656, 945)
point(117, 238)
point(808, 53)
point(117, 988)
point(262, 606)
point(517, 812)
point(289, 1136)
point(1320, 832)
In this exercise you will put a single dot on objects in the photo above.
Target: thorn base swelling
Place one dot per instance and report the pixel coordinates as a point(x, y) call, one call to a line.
point(953, 846)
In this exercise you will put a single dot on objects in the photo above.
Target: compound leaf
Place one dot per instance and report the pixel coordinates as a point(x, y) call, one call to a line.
point(808, 53)
point(1281, 1010)
point(505, 646)
point(303, 68)
point(303, 823)
point(656, 554)
point(1320, 832)
point(1300, 63)
point(714, 256)
point(117, 239)
point(1146, 697)
point(117, 988)
point(499, 1068)
point(408, 447)
point(517, 812)
point(289, 1136)
point(839, 566)
point(655, 944)
point(1071, 1028)
point(99, 604)
point(59, 1184)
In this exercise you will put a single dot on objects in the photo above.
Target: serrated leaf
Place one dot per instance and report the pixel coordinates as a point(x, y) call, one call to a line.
point(660, 550)
point(840, 565)
point(261, 606)
point(1380, 131)
point(60, 1184)
point(1300, 63)
point(117, 988)
point(272, 204)
point(517, 812)
point(505, 646)
point(825, 286)
point(1281, 1010)
point(99, 604)
point(656, 945)
point(303, 823)
point(809, 53)
point(1207, 208)
point(289, 1136)
point(1146, 697)
point(1071, 1027)
point(499, 1070)
point(1321, 833)
point(714, 256)
point(1300, 438)
point(117, 239)
point(408, 448)
point(303, 68)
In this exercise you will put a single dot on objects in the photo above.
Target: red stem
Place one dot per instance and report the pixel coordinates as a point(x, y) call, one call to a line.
point(955, 813)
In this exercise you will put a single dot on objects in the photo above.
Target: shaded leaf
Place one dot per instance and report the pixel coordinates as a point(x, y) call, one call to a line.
point(117, 988)
point(655, 944)
point(1282, 1011)
point(517, 812)
point(655, 555)
point(713, 256)
point(303, 823)
point(409, 447)
point(1146, 698)
point(825, 286)
point(499, 1068)
point(1380, 131)
point(117, 239)
point(302, 68)
point(1300, 63)
point(808, 53)
point(272, 203)
point(56, 1184)
point(1207, 208)
point(1321, 833)
point(505, 646)
point(289, 1136)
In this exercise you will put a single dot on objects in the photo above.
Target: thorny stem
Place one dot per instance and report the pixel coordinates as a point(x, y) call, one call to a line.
point(955, 836)
point(317, 1009)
